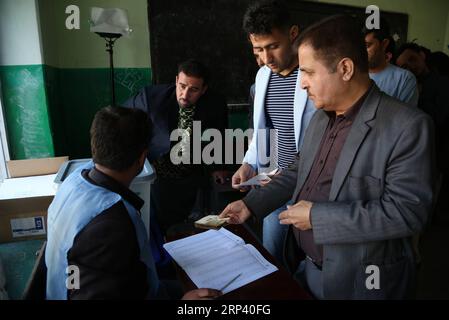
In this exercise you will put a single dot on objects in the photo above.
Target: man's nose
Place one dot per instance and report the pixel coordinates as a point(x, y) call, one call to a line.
point(266, 57)
point(304, 84)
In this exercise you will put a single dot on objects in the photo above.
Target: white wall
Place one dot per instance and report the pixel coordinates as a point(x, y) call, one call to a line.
point(19, 33)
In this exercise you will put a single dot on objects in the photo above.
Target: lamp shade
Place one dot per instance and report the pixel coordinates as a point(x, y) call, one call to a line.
point(110, 21)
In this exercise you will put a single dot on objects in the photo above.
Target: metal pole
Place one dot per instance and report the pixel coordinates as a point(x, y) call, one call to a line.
point(109, 48)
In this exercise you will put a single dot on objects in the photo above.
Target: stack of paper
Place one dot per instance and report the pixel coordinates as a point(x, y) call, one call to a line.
point(214, 258)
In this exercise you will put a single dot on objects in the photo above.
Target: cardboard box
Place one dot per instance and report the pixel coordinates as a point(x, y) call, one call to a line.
point(25, 197)
point(34, 167)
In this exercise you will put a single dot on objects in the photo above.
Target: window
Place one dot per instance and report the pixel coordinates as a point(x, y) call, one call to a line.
point(4, 152)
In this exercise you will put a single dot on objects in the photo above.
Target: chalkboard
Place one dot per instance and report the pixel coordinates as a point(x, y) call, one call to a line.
point(211, 31)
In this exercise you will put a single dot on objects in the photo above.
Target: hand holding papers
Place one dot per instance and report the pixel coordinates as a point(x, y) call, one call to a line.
point(219, 259)
point(259, 180)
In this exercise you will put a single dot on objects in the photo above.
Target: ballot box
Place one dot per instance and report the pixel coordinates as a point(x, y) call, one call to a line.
point(25, 197)
point(141, 185)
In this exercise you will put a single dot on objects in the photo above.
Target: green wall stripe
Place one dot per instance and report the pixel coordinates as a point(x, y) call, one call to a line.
point(25, 108)
point(75, 95)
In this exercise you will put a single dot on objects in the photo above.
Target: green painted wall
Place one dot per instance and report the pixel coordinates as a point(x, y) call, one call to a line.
point(22, 81)
point(27, 120)
point(76, 94)
point(428, 19)
point(76, 68)
point(65, 48)
point(446, 42)
point(69, 68)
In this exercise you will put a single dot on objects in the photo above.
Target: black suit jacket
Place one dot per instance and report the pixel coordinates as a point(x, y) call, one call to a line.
point(159, 102)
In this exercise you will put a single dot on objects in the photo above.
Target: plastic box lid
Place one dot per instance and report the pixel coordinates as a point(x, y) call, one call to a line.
point(146, 175)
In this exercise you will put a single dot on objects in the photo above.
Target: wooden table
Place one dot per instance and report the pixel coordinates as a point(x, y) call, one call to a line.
point(278, 285)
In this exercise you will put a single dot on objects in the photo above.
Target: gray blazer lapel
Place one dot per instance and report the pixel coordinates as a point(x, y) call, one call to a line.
point(359, 130)
point(312, 140)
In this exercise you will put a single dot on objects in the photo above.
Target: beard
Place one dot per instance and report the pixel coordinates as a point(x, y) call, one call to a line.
point(375, 60)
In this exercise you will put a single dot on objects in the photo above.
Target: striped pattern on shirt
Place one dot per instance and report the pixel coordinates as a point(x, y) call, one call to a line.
point(279, 110)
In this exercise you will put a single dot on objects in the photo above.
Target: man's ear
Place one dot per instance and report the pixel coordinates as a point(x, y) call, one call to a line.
point(346, 69)
point(204, 89)
point(177, 79)
point(293, 33)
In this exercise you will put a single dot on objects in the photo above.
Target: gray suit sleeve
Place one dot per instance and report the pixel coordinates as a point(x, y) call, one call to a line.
point(266, 199)
point(403, 207)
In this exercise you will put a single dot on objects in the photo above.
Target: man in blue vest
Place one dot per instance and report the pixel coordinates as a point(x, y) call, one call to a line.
point(97, 244)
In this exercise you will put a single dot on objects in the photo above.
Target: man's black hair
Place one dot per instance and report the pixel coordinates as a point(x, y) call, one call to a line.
point(335, 38)
point(380, 34)
point(194, 68)
point(118, 137)
point(411, 46)
point(262, 17)
point(417, 48)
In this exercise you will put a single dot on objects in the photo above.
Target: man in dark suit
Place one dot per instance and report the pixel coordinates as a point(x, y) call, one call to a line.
point(361, 192)
point(177, 106)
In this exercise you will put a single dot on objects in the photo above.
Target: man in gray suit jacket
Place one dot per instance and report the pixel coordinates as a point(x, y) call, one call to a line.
point(361, 192)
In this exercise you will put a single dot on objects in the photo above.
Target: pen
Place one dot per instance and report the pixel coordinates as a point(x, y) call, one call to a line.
point(231, 281)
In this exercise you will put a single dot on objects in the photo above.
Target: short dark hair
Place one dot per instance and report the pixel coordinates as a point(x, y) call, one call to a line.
point(416, 48)
point(194, 68)
point(411, 46)
point(380, 34)
point(335, 38)
point(263, 16)
point(118, 136)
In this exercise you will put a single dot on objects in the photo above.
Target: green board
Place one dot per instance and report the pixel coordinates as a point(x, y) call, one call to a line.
point(75, 95)
point(25, 108)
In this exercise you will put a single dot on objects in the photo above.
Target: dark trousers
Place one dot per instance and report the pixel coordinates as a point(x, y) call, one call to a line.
point(173, 199)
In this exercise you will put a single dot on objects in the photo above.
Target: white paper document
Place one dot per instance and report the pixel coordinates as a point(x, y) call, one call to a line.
point(257, 180)
point(219, 259)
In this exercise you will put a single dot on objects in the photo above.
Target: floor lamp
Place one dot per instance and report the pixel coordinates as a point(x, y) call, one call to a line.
point(110, 41)
point(110, 24)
